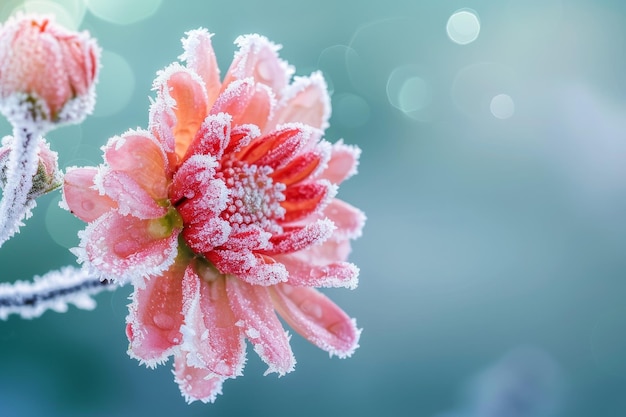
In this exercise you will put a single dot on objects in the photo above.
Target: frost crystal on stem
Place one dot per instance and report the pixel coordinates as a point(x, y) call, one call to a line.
point(53, 291)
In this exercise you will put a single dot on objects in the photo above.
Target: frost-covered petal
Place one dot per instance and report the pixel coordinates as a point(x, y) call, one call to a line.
point(343, 162)
point(299, 238)
point(254, 311)
point(279, 147)
point(183, 93)
point(196, 384)
point(250, 267)
point(125, 247)
point(200, 57)
point(81, 196)
point(130, 197)
point(304, 166)
point(212, 137)
point(211, 339)
point(348, 220)
point(317, 318)
point(258, 58)
point(139, 155)
point(305, 101)
point(307, 274)
point(155, 316)
point(303, 199)
point(247, 102)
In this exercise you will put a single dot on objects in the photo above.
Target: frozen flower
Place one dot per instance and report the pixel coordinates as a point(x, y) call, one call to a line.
point(222, 214)
point(46, 179)
point(47, 73)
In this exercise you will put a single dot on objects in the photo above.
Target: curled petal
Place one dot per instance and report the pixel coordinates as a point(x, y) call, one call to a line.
point(155, 316)
point(81, 196)
point(212, 341)
point(253, 308)
point(247, 102)
point(212, 137)
point(349, 220)
point(253, 268)
point(196, 384)
point(279, 147)
point(184, 92)
point(130, 197)
point(304, 166)
point(300, 238)
point(139, 155)
point(317, 318)
point(125, 247)
point(258, 58)
point(343, 162)
point(307, 274)
point(200, 57)
point(303, 199)
point(305, 101)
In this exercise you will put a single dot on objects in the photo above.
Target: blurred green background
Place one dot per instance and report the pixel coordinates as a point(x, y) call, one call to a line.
point(493, 174)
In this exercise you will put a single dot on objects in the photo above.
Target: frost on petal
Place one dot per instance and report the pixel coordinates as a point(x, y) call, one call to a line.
point(258, 58)
point(196, 384)
point(156, 315)
point(212, 137)
point(184, 92)
point(81, 197)
point(200, 58)
point(306, 101)
point(247, 102)
point(125, 247)
point(308, 274)
point(299, 238)
point(306, 165)
point(343, 163)
point(130, 197)
point(317, 318)
point(304, 199)
point(279, 147)
point(348, 220)
point(253, 308)
point(140, 156)
point(253, 268)
point(212, 341)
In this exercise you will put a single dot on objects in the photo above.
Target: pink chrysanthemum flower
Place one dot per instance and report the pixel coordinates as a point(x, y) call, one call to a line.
point(222, 213)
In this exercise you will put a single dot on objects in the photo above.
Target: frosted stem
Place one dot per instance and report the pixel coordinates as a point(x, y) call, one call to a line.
point(21, 168)
point(53, 291)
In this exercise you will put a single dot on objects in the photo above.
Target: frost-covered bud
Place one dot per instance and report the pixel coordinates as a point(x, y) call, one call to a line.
point(47, 73)
point(47, 178)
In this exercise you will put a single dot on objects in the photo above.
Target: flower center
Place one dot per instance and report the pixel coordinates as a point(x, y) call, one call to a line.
point(254, 197)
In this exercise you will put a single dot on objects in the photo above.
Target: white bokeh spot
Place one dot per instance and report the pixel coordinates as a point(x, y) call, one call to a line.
point(463, 26)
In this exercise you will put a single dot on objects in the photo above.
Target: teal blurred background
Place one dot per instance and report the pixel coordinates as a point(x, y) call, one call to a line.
point(493, 174)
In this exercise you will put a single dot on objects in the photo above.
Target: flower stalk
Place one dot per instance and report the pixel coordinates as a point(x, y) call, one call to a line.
point(21, 167)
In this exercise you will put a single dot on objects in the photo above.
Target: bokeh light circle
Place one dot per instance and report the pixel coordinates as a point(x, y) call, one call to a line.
point(409, 91)
point(477, 89)
point(123, 12)
point(61, 225)
point(502, 106)
point(115, 86)
point(463, 26)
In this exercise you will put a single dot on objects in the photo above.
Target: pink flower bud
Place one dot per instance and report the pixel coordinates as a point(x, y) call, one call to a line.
point(47, 177)
point(47, 73)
